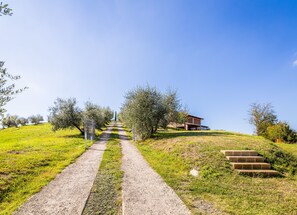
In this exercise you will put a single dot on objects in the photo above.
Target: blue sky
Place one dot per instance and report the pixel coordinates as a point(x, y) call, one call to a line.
point(220, 55)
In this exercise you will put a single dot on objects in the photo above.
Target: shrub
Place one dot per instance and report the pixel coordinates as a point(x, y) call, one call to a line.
point(262, 117)
point(281, 161)
point(10, 121)
point(22, 121)
point(36, 119)
point(281, 131)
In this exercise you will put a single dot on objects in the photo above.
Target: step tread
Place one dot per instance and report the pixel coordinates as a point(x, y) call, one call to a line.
point(250, 163)
point(257, 170)
point(244, 156)
point(239, 152)
point(246, 159)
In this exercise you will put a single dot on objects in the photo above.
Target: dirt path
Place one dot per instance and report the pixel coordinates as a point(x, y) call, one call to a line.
point(68, 192)
point(144, 191)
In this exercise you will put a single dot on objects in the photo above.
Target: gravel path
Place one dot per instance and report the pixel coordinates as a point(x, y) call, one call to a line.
point(144, 191)
point(68, 192)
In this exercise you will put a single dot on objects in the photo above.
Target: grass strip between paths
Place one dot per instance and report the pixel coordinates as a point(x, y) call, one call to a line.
point(106, 194)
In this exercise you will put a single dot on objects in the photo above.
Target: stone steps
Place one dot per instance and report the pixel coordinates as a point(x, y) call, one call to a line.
point(267, 172)
point(245, 159)
point(248, 162)
point(251, 165)
point(240, 152)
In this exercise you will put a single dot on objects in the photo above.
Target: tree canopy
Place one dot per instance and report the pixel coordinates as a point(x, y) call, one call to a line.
point(66, 114)
point(100, 115)
point(145, 109)
point(5, 10)
point(7, 91)
point(262, 116)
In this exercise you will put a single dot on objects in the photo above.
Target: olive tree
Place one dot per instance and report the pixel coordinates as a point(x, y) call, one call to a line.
point(5, 10)
point(10, 121)
point(107, 114)
point(172, 108)
point(36, 119)
point(262, 116)
point(7, 91)
point(101, 115)
point(146, 109)
point(66, 114)
point(22, 121)
point(94, 112)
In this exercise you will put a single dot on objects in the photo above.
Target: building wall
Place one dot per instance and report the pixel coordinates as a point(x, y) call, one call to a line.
point(194, 120)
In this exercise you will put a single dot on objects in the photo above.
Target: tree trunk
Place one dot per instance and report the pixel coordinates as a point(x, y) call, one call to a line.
point(81, 131)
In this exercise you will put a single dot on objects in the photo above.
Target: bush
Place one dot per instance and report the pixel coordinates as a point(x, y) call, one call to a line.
point(281, 161)
point(100, 115)
point(281, 131)
point(22, 121)
point(36, 119)
point(262, 116)
point(10, 121)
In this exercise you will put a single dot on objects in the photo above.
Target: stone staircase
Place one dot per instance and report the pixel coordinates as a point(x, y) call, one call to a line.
point(248, 162)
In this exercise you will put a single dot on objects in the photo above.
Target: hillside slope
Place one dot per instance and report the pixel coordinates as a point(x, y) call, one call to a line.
point(30, 157)
point(174, 153)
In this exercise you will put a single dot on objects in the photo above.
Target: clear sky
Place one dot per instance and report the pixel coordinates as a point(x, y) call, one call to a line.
point(220, 55)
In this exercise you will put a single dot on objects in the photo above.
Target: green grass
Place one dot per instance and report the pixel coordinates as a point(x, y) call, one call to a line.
point(30, 157)
point(292, 148)
point(174, 153)
point(105, 196)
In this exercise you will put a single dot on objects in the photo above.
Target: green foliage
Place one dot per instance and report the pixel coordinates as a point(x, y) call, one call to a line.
point(172, 107)
point(10, 121)
point(281, 131)
point(22, 121)
point(5, 10)
point(146, 109)
point(36, 119)
point(7, 91)
point(281, 160)
point(65, 114)
point(93, 111)
point(183, 116)
point(262, 116)
point(107, 114)
point(208, 172)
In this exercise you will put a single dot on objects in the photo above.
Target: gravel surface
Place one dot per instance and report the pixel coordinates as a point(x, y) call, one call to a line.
point(144, 191)
point(68, 192)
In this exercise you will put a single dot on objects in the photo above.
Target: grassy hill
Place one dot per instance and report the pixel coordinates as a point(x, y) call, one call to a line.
point(30, 157)
point(174, 153)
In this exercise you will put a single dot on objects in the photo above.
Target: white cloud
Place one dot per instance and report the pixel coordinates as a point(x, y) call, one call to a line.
point(295, 63)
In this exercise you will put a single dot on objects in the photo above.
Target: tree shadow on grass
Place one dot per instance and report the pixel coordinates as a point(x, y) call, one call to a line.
point(80, 136)
point(123, 137)
point(168, 134)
